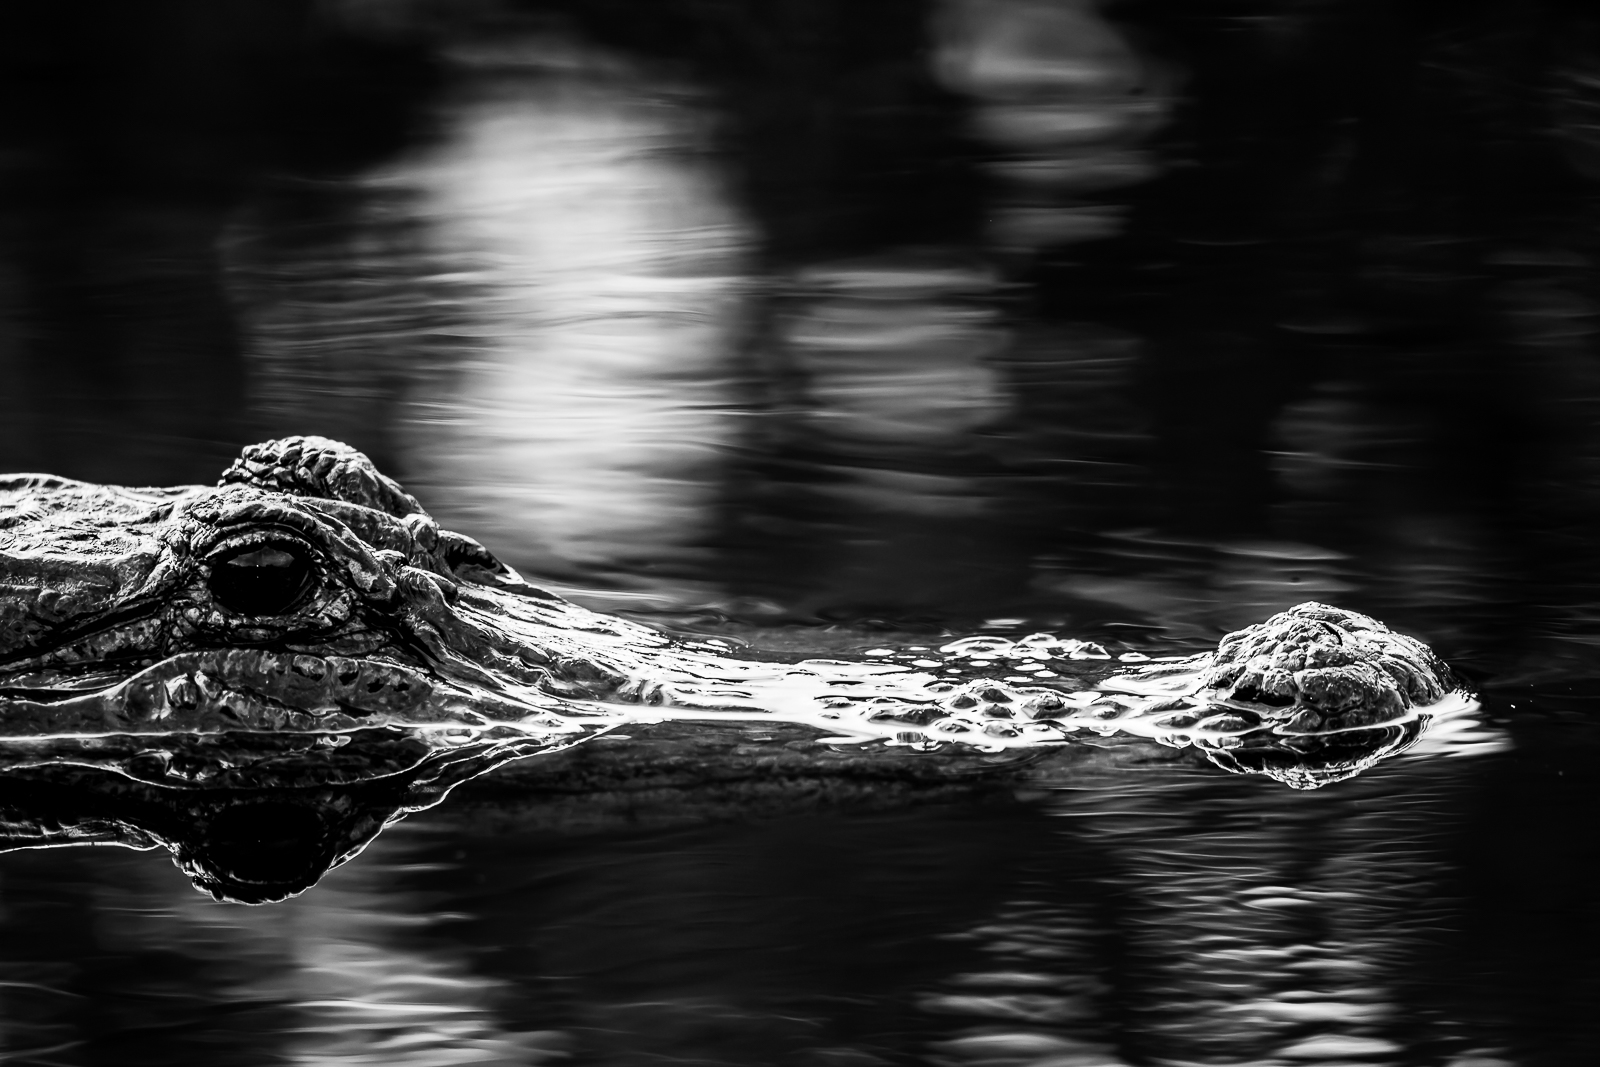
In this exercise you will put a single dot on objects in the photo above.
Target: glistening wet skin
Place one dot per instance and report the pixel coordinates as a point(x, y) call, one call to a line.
point(261, 675)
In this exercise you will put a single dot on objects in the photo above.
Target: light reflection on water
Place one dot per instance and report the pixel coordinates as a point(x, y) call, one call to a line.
point(335, 980)
point(586, 281)
point(585, 418)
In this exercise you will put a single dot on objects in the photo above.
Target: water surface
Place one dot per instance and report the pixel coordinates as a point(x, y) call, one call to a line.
point(829, 331)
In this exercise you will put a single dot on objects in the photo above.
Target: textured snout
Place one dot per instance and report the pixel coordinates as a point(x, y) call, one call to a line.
point(1316, 667)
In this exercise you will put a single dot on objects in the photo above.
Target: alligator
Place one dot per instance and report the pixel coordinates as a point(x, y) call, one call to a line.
point(262, 674)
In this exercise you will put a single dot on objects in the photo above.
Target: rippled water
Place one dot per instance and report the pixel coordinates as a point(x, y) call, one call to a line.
point(883, 340)
point(1138, 913)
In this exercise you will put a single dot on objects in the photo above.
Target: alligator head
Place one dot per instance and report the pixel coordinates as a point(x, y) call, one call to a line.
point(261, 674)
point(1336, 689)
point(300, 630)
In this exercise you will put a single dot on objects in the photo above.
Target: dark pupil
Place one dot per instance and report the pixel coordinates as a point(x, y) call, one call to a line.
point(261, 581)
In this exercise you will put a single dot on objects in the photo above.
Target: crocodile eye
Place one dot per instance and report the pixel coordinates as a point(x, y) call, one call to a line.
point(261, 579)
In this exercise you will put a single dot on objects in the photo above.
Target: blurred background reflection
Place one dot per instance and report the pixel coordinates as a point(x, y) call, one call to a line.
point(539, 312)
point(804, 321)
point(931, 313)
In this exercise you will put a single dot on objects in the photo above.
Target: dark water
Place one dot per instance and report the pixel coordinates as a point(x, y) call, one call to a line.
point(820, 324)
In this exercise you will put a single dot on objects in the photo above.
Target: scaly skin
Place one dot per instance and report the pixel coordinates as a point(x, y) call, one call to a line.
point(192, 666)
point(1313, 665)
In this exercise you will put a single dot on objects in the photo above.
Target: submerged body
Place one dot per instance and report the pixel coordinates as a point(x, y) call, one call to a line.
point(304, 629)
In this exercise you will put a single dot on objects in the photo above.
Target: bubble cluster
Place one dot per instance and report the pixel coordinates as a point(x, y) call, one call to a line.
point(994, 693)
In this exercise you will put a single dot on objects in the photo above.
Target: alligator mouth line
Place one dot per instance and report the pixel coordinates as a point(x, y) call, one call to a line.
point(1280, 718)
point(39, 681)
point(122, 654)
point(91, 682)
point(122, 618)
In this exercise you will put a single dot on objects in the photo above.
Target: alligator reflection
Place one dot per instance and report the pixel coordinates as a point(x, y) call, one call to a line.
point(250, 845)
point(1144, 911)
point(261, 675)
point(262, 842)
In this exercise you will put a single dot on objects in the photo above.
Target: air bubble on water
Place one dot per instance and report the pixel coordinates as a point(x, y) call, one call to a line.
point(966, 646)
